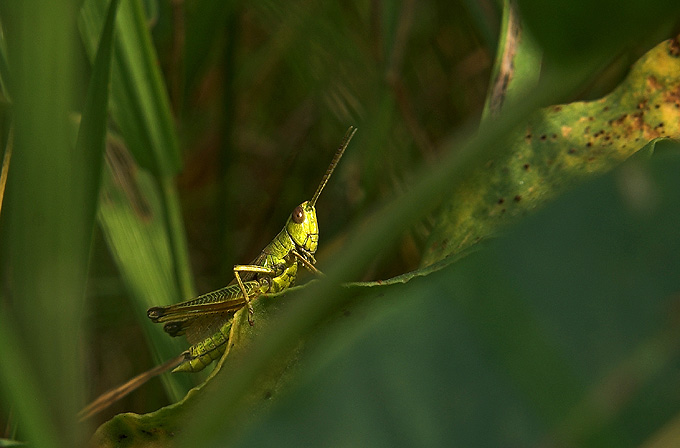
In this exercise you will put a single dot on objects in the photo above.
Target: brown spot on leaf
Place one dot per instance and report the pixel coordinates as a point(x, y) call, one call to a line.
point(518, 198)
point(672, 96)
point(653, 83)
point(566, 130)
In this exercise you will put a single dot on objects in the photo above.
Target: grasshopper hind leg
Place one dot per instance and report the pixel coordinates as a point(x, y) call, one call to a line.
point(264, 274)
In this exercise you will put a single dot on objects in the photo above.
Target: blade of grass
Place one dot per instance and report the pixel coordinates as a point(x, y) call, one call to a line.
point(140, 104)
point(92, 131)
point(78, 198)
point(52, 193)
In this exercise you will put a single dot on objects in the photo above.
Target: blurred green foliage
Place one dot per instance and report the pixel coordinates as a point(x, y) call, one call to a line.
point(222, 117)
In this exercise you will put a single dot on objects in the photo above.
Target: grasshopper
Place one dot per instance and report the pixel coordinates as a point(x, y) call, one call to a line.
point(207, 319)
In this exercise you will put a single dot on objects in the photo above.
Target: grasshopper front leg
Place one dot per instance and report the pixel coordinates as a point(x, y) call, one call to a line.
point(307, 260)
point(256, 270)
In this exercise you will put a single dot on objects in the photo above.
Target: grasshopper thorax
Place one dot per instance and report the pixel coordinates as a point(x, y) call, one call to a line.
point(303, 227)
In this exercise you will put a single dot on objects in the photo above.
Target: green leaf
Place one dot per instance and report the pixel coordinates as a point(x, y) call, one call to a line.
point(560, 146)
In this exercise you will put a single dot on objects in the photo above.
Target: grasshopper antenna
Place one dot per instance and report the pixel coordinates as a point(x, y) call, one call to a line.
point(341, 150)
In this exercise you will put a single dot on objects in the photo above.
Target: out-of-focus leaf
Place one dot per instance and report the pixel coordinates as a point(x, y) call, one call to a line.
point(51, 194)
point(559, 146)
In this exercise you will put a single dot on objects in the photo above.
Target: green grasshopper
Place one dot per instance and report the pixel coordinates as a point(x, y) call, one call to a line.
point(207, 319)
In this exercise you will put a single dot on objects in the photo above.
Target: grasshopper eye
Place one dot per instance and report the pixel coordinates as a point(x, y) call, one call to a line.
point(298, 215)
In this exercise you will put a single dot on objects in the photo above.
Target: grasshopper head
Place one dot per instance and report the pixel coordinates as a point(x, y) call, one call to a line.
point(303, 227)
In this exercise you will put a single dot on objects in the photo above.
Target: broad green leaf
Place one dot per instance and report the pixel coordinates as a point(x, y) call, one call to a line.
point(559, 146)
